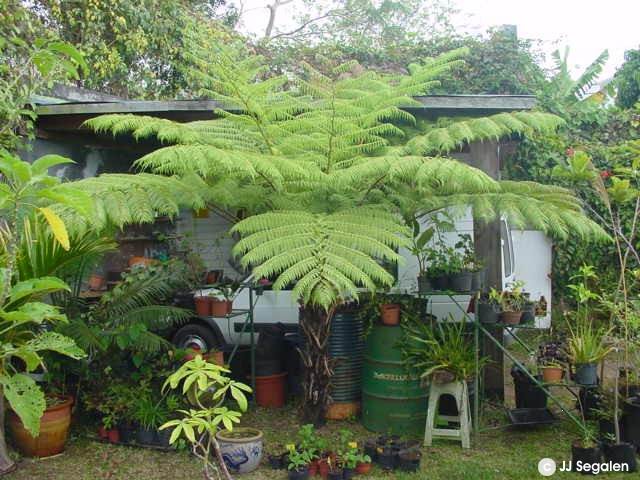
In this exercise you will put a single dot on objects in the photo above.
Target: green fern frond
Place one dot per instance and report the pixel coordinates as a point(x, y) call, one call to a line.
point(326, 256)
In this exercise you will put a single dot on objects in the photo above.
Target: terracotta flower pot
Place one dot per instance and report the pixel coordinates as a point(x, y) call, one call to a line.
point(313, 468)
point(363, 468)
point(220, 308)
point(141, 261)
point(271, 391)
point(511, 318)
point(390, 314)
point(216, 357)
point(203, 305)
point(552, 374)
point(113, 435)
point(323, 468)
point(54, 431)
point(96, 282)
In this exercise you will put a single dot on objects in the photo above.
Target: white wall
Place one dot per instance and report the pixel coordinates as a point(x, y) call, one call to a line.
point(533, 263)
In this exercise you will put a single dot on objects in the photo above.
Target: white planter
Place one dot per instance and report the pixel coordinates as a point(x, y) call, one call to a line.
point(241, 449)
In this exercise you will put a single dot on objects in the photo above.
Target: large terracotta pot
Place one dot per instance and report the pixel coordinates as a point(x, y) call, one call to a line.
point(54, 431)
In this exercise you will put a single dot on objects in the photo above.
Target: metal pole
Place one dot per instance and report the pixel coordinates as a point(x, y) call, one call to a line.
point(576, 420)
point(253, 345)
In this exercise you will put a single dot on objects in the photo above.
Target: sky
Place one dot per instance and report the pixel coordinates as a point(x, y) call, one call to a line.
point(587, 26)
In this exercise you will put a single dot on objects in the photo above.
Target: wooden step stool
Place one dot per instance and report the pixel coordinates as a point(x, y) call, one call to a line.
point(460, 392)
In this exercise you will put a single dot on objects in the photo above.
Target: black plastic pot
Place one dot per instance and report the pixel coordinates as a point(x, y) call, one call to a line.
point(477, 280)
point(370, 449)
point(424, 284)
point(584, 456)
point(335, 475)
point(146, 436)
point(409, 461)
point(590, 401)
point(388, 458)
point(348, 473)
point(487, 312)
point(277, 462)
point(631, 421)
point(528, 394)
point(440, 282)
point(528, 313)
point(460, 282)
point(622, 454)
point(301, 474)
point(163, 437)
point(586, 374)
point(127, 433)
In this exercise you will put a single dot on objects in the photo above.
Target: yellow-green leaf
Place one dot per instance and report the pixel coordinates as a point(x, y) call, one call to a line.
point(57, 227)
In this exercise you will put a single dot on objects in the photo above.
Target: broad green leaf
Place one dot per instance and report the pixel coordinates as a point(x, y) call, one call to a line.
point(36, 287)
point(55, 342)
point(42, 164)
point(25, 398)
point(57, 227)
point(240, 398)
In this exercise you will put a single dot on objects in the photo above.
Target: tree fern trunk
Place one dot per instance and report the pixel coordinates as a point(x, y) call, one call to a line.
point(6, 464)
point(316, 325)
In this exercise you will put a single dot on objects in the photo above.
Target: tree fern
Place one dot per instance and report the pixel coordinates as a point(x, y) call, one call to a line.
point(326, 164)
point(324, 143)
point(325, 256)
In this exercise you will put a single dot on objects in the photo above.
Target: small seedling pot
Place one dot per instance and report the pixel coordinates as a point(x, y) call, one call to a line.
point(390, 314)
point(363, 468)
point(113, 435)
point(348, 473)
point(277, 461)
point(586, 374)
point(388, 458)
point(301, 474)
point(409, 461)
point(584, 455)
point(335, 474)
point(370, 449)
point(621, 454)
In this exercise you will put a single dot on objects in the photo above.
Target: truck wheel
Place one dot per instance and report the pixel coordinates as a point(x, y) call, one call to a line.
point(196, 337)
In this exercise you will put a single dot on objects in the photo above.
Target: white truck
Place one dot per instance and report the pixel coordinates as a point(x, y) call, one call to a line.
point(526, 256)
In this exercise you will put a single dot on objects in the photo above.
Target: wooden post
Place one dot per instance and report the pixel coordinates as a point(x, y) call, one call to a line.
point(488, 245)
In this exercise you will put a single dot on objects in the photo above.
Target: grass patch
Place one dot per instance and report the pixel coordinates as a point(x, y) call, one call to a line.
point(496, 455)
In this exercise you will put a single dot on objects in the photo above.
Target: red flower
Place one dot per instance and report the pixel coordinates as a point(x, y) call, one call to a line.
point(605, 174)
point(570, 151)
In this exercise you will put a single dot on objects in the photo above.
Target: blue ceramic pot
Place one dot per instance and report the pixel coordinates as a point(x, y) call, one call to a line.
point(241, 449)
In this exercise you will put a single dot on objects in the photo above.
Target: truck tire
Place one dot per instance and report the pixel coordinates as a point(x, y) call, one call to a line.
point(196, 336)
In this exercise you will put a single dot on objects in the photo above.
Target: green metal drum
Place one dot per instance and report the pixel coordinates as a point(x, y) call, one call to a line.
point(392, 400)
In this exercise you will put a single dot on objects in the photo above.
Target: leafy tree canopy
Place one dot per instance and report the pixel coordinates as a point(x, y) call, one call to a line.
point(627, 80)
point(134, 49)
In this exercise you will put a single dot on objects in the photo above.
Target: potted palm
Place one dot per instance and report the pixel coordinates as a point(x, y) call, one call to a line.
point(440, 352)
point(586, 348)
